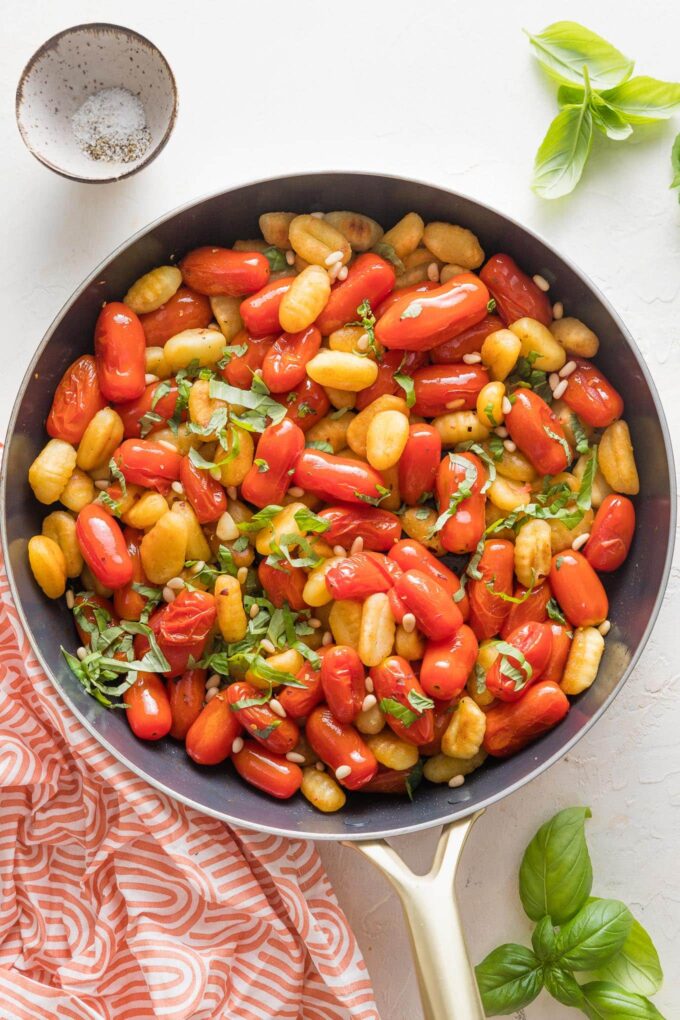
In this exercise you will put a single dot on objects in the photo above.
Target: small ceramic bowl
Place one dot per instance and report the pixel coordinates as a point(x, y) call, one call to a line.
point(72, 66)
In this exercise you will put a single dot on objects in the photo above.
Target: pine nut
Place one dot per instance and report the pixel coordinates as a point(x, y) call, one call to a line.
point(81, 653)
point(293, 756)
point(254, 610)
point(335, 256)
point(506, 406)
point(509, 445)
point(210, 694)
point(227, 529)
point(453, 405)
point(70, 599)
point(553, 380)
point(327, 639)
point(178, 488)
point(541, 283)
point(268, 646)
point(339, 550)
point(237, 745)
point(369, 685)
point(559, 390)
point(363, 342)
point(150, 378)
point(472, 359)
point(433, 272)
point(456, 781)
point(558, 310)
point(605, 627)
point(567, 369)
point(314, 623)
point(213, 681)
point(343, 273)
point(296, 491)
point(277, 708)
point(357, 546)
point(580, 541)
point(168, 594)
point(242, 575)
point(343, 771)
point(369, 701)
point(409, 623)
point(319, 766)
point(102, 483)
point(290, 257)
point(176, 583)
point(501, 430)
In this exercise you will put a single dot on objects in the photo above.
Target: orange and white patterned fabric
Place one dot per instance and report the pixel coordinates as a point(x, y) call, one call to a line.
point(119, 904)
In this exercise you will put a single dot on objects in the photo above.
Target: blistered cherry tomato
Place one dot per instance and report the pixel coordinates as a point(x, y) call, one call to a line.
point(76, 400)
point(391, 363)
point(591, 396)
point(537, 432)
point(260, 312)
point(148, 709)
point(337, 478)
point(419, 463)
point(276, 734)
point(240, 368)
point(307, 404)
point(103, 546)
point(283, 583)
point(127, 602)
point(414, 288)
point(412, 555)
point(379, 529)
point(284, 366)
point(464, 528)
point(611, 534)
point(578, 589)
point(279, 447)
point(185, 310)
point(180, 657)
point(212, 734)
point(133, 411)
point(511, 673)
point(488, 610)
point(343, 680)
point(447, 664)
point(468, 342)
point(120, 352)
point(188, 619)
point(206, 495)
point(186, 694)
point(223, 271)
point(147, 463)
point(510, 727)
point(391, 781)
point(267, 771)
point(439, 387)
point(531, 607)
point(370, 279)
point(89, 603)
point(339, 744)
point(394, 680)
point(299, 701)
point(358, 576)
point(515, 293)
point(420, 322)
point(442, 712)
point(561, 645)
point(437, 615)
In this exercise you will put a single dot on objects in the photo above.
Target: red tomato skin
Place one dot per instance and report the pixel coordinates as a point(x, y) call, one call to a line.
point(132, 411)
point(412, 555)
point(215, 271)
point(561, 644)
point(260, 312)
point(391, 781)
point(120, 352)
point(307, 404)
point(299, 702)
point(468, 342)
point(516, 295)
point(591, 396)
point(280, 446)
point(442, 717)
point(437, 615)
point(396, 605)
point(385, 383)
point(148, 708)
point(414, 288)
point(257, 719)
point(188, 620)
point(343, 680)
point(267, 771)
point(447, 664)
point(240, 368)
point(358, 576)
point(445, 312)
point(210, 737)
point(437, 386)
point(128, 603)
point(379, 529)
point(186, 694)
point(179, 656)
point(488, 612)
point(370, 278)
point(206, 495)
point(462, 531)
point(103, 546)
point(185, 310)
point(283, 584)
point(339, 744)
point(611, 534)
point(534, 641)
point(335, 478)
point(284, 366)
point(147, 463)
point(527, 423)
point(532, 609)
point(511, 726)
point(395, 679)
point(99, 600)
point(419, 463)
point(578, 589)
point(76, 400)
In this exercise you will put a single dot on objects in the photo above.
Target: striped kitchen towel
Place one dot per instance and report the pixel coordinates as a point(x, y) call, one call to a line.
point(119, 904)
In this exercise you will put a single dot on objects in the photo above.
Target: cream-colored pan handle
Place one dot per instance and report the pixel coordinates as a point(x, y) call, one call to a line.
point(445, 976)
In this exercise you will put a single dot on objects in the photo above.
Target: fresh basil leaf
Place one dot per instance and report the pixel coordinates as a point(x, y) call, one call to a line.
point(609, 121)
point(556, 875)
point(367, 321)
point(604, 1001)
point(309, 522)
point(675, 162)
point(544, 940)
point(276, 259)
point(148, 422)
point(259, 520)
point(595, 935)
point(636, 967)
point(564, 48)
point(563, 153)
point(563, 986)
point(413, 779)
point(579, 434)
point(408, 386)
point(464, 491)
point(383, 493)
point(584, 496)
point(387, 252)
point(643, 100)
point(420, 702)
point(555, 613)
point(261, 464)
point(561, 440)
point(509, 978)
point(400, 712)
point(319, 444)
point(252, 702)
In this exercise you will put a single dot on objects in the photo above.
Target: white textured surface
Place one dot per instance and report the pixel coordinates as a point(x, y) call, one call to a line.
point(445, 92)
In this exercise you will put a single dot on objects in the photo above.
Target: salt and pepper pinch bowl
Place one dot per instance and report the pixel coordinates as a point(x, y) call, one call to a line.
point(70, 68)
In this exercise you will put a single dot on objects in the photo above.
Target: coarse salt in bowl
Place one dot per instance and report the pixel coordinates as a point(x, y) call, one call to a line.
point(96, 102)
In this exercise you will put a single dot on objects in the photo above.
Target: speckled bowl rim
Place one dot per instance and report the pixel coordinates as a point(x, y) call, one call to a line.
point(49, 44)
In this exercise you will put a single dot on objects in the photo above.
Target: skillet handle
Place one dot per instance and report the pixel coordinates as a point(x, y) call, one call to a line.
point(446, 979)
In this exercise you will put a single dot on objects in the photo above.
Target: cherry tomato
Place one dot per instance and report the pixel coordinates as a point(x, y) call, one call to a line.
point(215, 271)
point(389, 365)
point(510, 727)
point(76, 400)
point(260, 312)
point(464, 528)
point(147, 463)
point(343, 680)
point(447, 664)
point(337, 478)
point(537, 432)
point(186, 694)
point(211, 736)
point(267, 771)
point(611, 534)
point(561, 645)
point(276, 734)
point(378, 528)
point(89, 604)
point(419, 463)
point(421, 322)
point(515, 293)
point(103, 546)
point(511, 673)
point(578, 589)
point(437, 615)
point(370, 279)
point(415, 288)
point(394, 680)
point(412, 555)
point(339, 744)
point(120, 352)
point(439, 387)
point(133, 411)
point(393, 781)
point(185, 310)
point(240, 368)
point(591, 396)
point(299, 701)
point(307, 404)
point(358, 576)
point(533, 607)
point(283, 584)
point(127, 602)
point(180, 657)
point(488, 611)
point(206, 495)
point(148, 709)
point(279, 447)
point(188, 619)
point(469, 342)
point(284, 366)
